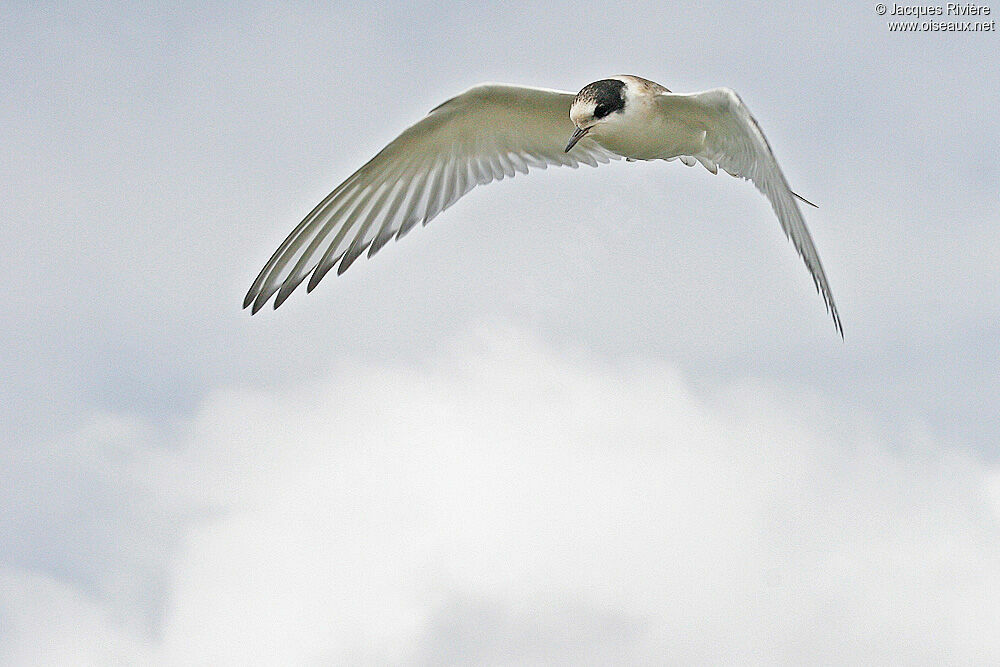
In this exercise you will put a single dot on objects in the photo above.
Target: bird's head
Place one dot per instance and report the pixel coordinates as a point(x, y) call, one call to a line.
point(596, 104)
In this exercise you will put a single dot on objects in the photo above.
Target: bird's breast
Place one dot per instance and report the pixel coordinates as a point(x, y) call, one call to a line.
point(645, 134)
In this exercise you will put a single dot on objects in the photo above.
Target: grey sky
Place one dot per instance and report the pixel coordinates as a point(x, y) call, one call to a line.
point(154, 159)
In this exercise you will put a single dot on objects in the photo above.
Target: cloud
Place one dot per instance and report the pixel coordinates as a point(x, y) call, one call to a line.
point(49, 622)
point(511, 502)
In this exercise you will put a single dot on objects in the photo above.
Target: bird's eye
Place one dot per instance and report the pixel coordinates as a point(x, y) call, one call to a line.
point(601, 110)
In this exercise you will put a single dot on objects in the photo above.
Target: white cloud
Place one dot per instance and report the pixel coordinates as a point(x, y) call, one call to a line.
point(47, 622)
point(508, 502)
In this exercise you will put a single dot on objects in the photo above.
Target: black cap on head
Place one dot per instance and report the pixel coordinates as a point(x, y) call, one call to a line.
point(608, 96)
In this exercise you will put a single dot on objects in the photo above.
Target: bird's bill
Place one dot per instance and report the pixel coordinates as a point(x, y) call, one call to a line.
point(577, 135)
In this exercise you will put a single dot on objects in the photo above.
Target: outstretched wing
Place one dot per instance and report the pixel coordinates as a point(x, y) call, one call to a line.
point(487, 133)
point(734, 141)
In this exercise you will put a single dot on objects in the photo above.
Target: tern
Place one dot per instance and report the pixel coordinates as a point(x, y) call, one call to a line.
point(493, 131)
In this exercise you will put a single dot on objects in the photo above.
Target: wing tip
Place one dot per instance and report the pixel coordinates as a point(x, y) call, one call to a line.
point(282, 295)
point(831, 308)
point(257, 305)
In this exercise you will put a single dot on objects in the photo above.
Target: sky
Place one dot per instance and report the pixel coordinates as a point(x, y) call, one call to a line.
point(585, 416)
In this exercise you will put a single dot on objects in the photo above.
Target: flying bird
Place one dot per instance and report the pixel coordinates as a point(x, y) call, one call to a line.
point(493, 131)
